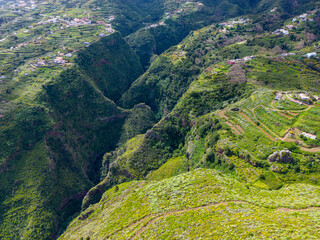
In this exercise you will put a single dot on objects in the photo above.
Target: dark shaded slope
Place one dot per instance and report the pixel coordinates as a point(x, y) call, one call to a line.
point(54, 147)
point(111, 64)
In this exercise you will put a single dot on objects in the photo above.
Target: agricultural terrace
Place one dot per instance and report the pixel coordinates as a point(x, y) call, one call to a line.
point(263, 123)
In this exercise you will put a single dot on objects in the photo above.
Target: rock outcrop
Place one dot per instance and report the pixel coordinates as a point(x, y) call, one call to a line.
point(284, 156)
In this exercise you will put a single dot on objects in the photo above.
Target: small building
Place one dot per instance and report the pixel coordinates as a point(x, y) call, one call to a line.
point(289, 26)
point(235, 109)
point(281, 32)
point(316, 97)
point(303, 96)
point(59, 60)
point(309, 135)
point(310, 55)
point(278, 96)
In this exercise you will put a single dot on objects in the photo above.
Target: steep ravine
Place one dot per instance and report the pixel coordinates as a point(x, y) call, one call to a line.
point(63, 137)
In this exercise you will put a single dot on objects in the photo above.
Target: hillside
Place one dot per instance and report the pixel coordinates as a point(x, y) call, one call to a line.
point(215, 94)
point(154, 119)
point(51, 143)
point(200, 204)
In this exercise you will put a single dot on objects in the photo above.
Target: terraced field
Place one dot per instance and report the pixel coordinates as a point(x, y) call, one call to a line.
point(277, 121)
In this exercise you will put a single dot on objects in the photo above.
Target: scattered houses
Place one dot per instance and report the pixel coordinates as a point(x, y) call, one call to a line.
point(290, 27)
point(287, 54)
point(273, 10)
point(59, 60)
point(303, 96)
point(234, 22)
point(303, 18)
point(281, 32)
point(245, 59)
point(111, 18)
point(156, 25)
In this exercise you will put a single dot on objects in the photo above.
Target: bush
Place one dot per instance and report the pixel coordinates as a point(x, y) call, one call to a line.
point(211, 156)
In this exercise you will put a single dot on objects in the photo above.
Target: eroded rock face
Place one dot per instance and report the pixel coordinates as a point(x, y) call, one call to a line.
point(284, 156)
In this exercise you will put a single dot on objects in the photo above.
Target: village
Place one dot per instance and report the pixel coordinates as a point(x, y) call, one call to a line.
point(235, 22)
point(296, 21)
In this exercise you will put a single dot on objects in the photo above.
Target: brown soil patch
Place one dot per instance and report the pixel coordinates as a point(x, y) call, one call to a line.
point(285, 115)
point(263, 131)
point(240, 129)
point(293, 114)
point(233, 128)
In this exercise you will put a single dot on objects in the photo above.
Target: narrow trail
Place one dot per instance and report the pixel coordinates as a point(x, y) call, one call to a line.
point(233, 128)
point(312, 150)
point(286, 138)
point(261, 129)
point(295, 101)
point(240, 129)
point(292, 111)
point(157, 217)
point(236, 128)
point(255, 116)
point(293, 114)
point(285, 115)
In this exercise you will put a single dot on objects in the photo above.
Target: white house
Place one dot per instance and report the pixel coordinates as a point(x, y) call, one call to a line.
point(310, 55)
point(303, 96)
point(309, 135)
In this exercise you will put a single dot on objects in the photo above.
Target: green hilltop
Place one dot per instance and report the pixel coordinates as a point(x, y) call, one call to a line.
point(160, 120)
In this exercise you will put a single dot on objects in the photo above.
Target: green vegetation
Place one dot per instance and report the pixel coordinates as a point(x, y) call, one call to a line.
point(158, 209)
point(172, 167)
point(196, 140)
point(52, 140)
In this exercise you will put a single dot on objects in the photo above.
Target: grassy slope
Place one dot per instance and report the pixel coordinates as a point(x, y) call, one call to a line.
point(178, 207)
point(71, 138)
point(202, 139)
point(62, 136)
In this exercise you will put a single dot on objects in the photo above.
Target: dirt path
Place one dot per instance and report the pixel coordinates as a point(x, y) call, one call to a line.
point(295, 101)
point(312, 150)
point(293, 114)
point(222, 114)
point(291, 111)
point(285, 115)
point(284, 138)
point(286, 135)
point(157, 217)
point(261, 129)
point(240, 129)
point(236, 128)
point(233, 128)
